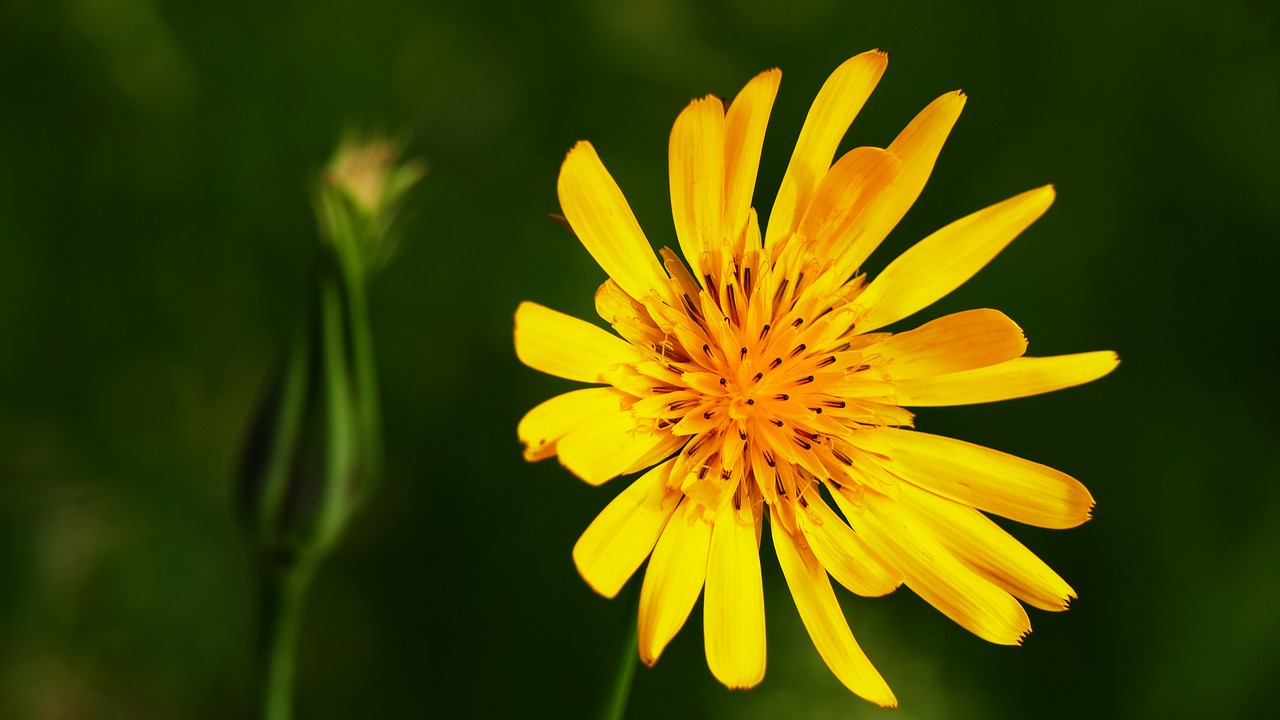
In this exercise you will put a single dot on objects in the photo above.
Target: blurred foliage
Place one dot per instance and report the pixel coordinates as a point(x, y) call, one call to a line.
point(155, 229)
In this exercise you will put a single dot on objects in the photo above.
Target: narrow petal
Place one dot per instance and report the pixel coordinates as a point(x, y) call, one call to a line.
point(825, 621)
point(943, 261)
point(954, 343)
point(733, 608)
point(845, 555)
point(1014, 379)
point(564, 346)
point(838, 102)
point(607, 447)
point(989, 480)
point(917, 146)
point(696, 159)
point(656, 454)
point(834, 221)
point(990, 551)
point(937, 576)
point(673, 579)
point(744, 127)
point(604, 223)
point(545, 424)
point(623, 534)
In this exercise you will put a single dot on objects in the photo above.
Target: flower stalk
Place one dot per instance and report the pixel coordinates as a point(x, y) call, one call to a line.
point(615, 703)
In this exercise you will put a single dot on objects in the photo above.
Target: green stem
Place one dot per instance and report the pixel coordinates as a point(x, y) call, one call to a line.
point(615, 707)
point(284, 592)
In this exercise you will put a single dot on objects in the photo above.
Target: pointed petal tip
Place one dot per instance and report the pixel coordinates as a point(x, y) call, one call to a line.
point(580, 563)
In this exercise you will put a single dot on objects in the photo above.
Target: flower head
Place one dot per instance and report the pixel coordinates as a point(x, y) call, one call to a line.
point(756, 382)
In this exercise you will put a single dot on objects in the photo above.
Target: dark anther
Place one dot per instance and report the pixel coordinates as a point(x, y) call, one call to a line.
point(799, 349)
point(782, 289)
point(751, 401)
point(711, 285)
point(776, 422)
point(706, 349)
point(759, 377)
point(860, 368)
point(733, 306)
point(776, 362)
point(816, 411)
point(702, 472)
point(768, 459)
point(841, 457)
point(746, 281)
point(742, 353)
point(798, 322)
point(693, 310)
point(764, 331)
point(707, 415)
point(827, 361)
point(783, 396)
point(742, 434)
point(803, 444)
point(834, 403)
point(724, 382)
point(805, 380)
point(725, 474)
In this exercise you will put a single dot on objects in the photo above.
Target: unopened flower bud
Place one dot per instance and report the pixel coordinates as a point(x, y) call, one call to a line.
point(315, 445)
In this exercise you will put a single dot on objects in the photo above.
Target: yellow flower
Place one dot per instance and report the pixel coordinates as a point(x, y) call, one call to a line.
point(759, 382)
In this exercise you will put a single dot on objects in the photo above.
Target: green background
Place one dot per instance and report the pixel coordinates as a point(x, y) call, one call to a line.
point(155, 235)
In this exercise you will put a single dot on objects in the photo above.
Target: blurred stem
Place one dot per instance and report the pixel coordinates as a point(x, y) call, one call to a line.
point(283, 595)
point(615, 707)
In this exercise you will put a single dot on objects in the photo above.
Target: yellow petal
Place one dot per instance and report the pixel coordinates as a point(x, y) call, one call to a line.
point(621, 536)
point(943, 261)
point(604, 223)
point(659, 452)
point(545, 424)
point(825, 621)
point(733, 608)
point(917, 146)
point(564, 346)
point(838, 102)
point(837, 216)
point(954, 343)
point(846, 555)
point(744, 127)
point(990, 551)
point(989, 480)
point(934, 574)
point(697, 178)
point(608, 446)
point(1014, 379)
point(673, 579)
